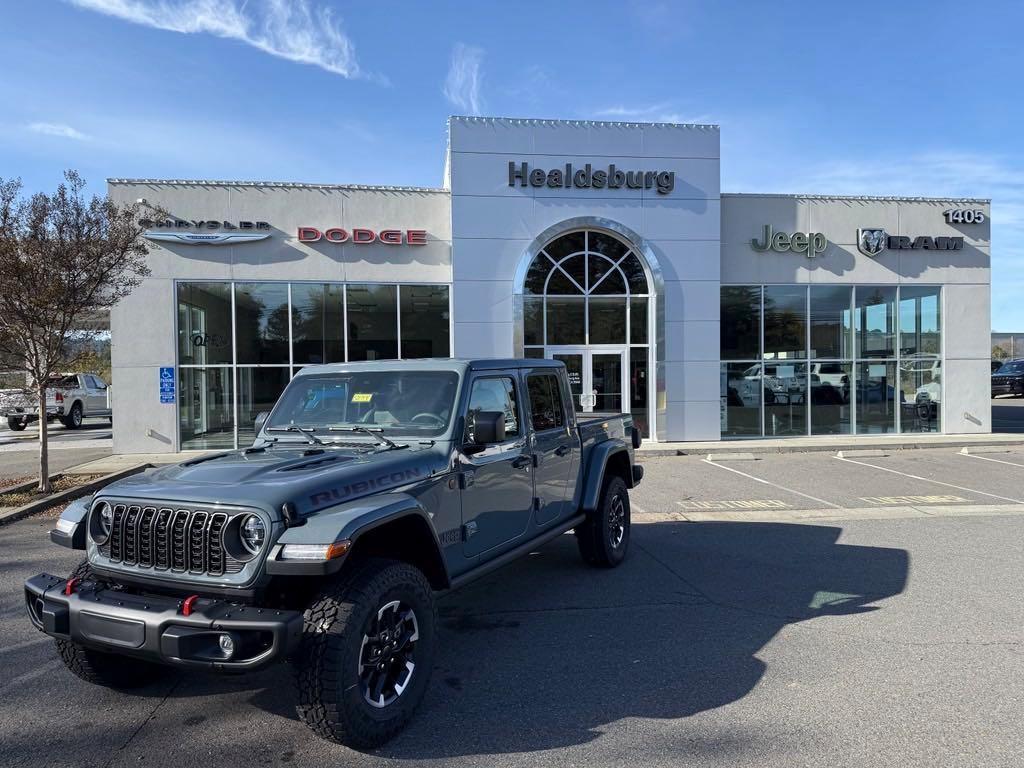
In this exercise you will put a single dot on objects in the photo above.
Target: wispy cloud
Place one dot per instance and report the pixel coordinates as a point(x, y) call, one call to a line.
point(462, 86)
point(289, 29)
point(59, 130)
point(660, 112)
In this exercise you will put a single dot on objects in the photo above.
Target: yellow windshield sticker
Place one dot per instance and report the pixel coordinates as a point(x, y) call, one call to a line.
point(362, 397)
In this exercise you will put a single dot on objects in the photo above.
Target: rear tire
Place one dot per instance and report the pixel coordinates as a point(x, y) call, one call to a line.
point(603, 538)
point(360, 636)
point(16, 425)
point(74, 418)
point(106, 669)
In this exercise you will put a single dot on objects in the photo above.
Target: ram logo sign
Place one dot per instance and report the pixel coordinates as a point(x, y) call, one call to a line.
point(871, 242)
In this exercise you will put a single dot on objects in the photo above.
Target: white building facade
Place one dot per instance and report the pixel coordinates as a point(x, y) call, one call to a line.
point(608, 246)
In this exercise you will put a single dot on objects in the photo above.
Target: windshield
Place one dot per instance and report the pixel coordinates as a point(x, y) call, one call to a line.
point(416, 403)
point(1015, 367)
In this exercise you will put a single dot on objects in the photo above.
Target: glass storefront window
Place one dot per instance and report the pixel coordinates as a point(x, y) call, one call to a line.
point(740, 322)
point(876, 398)
point(785, 399)
point(264, 322)
point(638, 389)
point(831, 321)
point(607, 320)
point(533, 320)
point(565, 318)
point(205, 408)
point(741, 399)
point(831, 413)
point(638, 321)
point(875, 321)
point(425, 319)
point(258, 390)
point(920, 320)
point(204, 323)
point(261, 322)
point(372, 322)
point(785, 321)
point(317, 323)
point(921, 394)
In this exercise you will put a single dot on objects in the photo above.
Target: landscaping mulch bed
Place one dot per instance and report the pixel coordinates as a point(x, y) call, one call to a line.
point(10, 482)
point(63, 483)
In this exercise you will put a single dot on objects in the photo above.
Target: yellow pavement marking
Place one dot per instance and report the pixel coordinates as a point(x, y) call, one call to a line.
point(734, 504)
point(903, 500)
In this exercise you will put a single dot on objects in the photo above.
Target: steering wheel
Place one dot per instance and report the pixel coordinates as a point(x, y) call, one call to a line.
point(438, 421)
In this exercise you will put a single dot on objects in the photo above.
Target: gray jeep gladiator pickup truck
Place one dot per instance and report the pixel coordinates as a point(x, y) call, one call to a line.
point(369, 488)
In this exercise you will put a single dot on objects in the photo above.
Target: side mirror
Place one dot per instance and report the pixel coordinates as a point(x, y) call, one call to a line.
point(261, 419)
point(488, 427)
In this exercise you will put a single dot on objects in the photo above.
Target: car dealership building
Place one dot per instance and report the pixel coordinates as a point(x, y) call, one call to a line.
point(608, 246)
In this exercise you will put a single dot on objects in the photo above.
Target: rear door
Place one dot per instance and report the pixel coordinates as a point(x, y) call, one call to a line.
point(555, 445)
point(97, 398)
point(497, 482)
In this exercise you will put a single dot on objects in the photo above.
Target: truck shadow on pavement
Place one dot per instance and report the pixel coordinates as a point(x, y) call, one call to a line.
point(544, 654)
point(547, 652)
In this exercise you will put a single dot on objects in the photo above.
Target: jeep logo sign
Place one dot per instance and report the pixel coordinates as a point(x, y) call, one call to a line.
point(810, 244)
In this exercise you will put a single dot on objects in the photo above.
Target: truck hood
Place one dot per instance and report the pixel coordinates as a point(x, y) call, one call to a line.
point(308, 477)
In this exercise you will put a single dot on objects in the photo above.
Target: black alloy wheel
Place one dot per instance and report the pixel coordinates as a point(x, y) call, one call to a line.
point(603, 538)
point(387, 656)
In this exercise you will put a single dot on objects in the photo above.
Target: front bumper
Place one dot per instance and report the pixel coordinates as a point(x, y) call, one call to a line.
point(153, 627)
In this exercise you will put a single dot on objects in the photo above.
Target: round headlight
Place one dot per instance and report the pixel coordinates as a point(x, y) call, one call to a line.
point(102, 521)
point(253, 533)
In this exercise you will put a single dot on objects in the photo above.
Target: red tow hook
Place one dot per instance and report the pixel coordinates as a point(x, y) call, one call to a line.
point(69, 588)
point(186, 607)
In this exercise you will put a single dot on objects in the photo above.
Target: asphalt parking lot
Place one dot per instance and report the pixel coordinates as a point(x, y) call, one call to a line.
point(741, 631)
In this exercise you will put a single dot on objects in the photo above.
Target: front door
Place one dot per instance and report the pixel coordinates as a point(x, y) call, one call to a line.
point(597, 377)
point(497, 482)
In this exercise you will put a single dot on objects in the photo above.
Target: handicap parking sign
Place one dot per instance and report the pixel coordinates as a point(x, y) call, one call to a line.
point(167, 385)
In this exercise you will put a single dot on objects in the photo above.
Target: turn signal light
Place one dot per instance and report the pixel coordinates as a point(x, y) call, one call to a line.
point(315, 551)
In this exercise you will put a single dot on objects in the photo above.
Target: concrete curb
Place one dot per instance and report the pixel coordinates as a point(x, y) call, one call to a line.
point(703, 450)
point(72, 493)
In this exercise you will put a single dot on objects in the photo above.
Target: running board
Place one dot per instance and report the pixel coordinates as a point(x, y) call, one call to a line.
point(514, 554)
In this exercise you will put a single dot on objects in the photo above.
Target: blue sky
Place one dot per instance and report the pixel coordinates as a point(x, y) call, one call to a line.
point(906, 98)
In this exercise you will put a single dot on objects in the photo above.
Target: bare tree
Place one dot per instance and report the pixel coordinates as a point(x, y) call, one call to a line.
point(64, 260)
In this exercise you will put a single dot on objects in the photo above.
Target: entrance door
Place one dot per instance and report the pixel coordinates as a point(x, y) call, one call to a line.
point(597, 377)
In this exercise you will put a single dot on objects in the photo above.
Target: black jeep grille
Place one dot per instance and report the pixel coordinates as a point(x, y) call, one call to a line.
point(182, 540)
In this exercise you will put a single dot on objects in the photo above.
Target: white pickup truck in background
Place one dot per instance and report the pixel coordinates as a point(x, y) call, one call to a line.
point(70, 397)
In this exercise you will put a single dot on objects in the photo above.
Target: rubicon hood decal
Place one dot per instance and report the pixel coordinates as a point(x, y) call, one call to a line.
point(213, 238)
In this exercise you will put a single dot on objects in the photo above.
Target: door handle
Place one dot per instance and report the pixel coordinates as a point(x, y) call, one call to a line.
point(522, 461)
point(562, 450)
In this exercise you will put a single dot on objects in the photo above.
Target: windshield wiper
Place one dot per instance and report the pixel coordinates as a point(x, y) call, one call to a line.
point(376, 434)
point(306, 433)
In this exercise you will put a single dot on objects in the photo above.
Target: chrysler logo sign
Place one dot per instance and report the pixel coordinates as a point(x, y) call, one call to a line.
point(232, 232)
point(872, 241)
point(203, 238)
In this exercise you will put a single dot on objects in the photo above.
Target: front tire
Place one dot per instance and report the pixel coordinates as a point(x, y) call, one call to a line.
point(366, 653)
point(16, 425)
point(74, 418)
point(604, 537)
point(106, 669)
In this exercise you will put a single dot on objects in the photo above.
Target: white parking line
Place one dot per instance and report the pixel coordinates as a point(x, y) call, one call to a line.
point(773, 485)
point(987, 458)
point(929, 480)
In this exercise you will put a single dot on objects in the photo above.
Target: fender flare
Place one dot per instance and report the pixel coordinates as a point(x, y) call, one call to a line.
point(349, 521)
point(593, 477)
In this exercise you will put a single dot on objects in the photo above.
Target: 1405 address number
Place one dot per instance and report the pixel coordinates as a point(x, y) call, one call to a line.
point(964, 216)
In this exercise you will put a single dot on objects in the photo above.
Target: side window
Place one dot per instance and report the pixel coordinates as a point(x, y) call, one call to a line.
point(545, 403)
point(497, 394)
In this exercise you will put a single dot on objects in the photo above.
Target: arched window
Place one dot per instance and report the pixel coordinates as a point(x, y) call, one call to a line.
point(585, 288)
